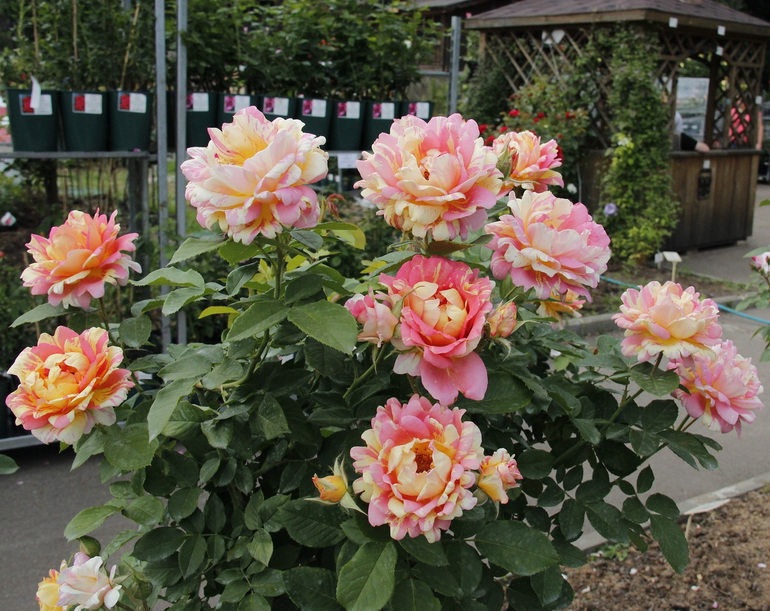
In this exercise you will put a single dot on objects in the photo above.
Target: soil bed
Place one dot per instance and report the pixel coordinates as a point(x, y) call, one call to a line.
point(729, 566)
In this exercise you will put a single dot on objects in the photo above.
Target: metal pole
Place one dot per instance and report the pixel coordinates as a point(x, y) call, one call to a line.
point(454, 72)
point(181, 142)
point(162, 135)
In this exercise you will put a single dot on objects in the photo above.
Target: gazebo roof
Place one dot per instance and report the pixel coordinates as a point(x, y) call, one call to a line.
point(696, 14)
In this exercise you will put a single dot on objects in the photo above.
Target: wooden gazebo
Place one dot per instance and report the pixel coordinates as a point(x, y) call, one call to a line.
point(716, 189)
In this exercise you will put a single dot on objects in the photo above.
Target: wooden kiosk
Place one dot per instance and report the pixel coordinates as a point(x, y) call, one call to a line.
point(716, 189)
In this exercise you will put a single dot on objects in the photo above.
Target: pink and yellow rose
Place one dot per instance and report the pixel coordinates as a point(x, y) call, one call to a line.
point(548, 244)
point(48, 591)
point(722, 389)
point(498, 474)
point(443, 306)
point(87, 584)
point(561, 306)
point(78, 258)
point(502, 320)
point(252, 177)
point(68, 383)
point(417, 467)
point(527, 163)
point(376, 318)
point(669, 320)
point(435, 178)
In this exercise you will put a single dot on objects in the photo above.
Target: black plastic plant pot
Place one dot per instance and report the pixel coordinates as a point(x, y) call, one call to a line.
point(230, 103)
point(347, 125)
point(316, 114)
point(130, 114)
point(34, 122)
point(85, 120)
point(201, 114)
point(273, 107)
point(378, 117)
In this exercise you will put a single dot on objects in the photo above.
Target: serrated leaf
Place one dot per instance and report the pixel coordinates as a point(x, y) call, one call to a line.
point(312, 524)
point(645, 480)
point(588, 430)
point(270, 418)
point(145, 510)
point(607, 520)
point(183, 502)
point(672, 542)
point(644, 442)
point(165, 403)
point(658, 383)
point(36, 314)
point(366, 582)
point(424, 551)
point(192, 247)
point(516, 547)
point(191, 555)
point(261, 546)
point(88, 520)
point(257, 319)
point(571, 518)
point(308, 238)
point(172, 276)
point(414, 595)
point(312, 588)
point(547, 584)
point(235, 252)
point(329, 323)
point(659, 416)
point(159, 543)
point(134, 332)
point(130, 448)
point(505, 394)
point(535, 464)
point(660, 503)
point(179, 298)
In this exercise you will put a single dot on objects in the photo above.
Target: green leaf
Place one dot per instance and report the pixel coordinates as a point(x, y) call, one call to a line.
point(165, 403)
point(660, 503)
point(254, 602)
point(311, 523)
point(672, 542)
point(218, 433)
point(183, 502)
point(134, 332)
point(261, 546)
point(645, 480)
point(347, 232)
point(659, 415)
point(308, 238)
point(130, 448)
point(257, 319)
point(172, 276)
point(547, 584)
point(312, 588)
point(329, 323)
point(303, 287)
point(534, 464)
point(159, 543)
point(643, 442)
point(191, 555)
point(268, 583)
point(39, 313)
point(413, 595)
point(270, 418)
point(179, 298)
point(366, 582)
point(7, 465)
point(516, 547)
point(192, 247)
point(658, 383)
point(607, 520)
point(235, 252)
point(235, 591)
point(145, 510)
point(505, 394)
point(588, 430)
point(690, 448)
point(425, 552)
point(571, 518)
point(634, 511)
point(88, 520)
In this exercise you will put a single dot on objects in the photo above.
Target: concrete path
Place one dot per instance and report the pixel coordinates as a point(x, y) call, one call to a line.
point(37, 502)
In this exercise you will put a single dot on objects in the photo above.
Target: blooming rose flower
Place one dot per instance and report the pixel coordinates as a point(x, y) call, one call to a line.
point(87, 585)
point(549, 244)
point(563, 306)
point(722, 389)
point(48, 591)
point(502, 320)
point(443, 307)
point(498, 473)
point(761, 263)
point(667, 319)
point(527, 163)
point(78, 258)
point(434, 178)
point(417, 467)
point(68, 383)
point(252, 177)
point(378, 321)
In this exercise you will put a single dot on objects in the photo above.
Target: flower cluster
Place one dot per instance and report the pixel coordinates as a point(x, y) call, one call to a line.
point(84, 586)
point(718, 385)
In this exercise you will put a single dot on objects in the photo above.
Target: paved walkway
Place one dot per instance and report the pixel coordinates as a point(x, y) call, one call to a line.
point(37, 502)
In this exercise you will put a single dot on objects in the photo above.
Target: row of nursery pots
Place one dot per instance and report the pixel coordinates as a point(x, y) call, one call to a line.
point(122, 120)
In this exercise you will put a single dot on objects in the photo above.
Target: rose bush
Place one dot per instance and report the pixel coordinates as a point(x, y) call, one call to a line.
point(427, 435)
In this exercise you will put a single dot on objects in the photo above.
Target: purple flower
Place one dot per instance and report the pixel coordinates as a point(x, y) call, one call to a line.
point(610, 209)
